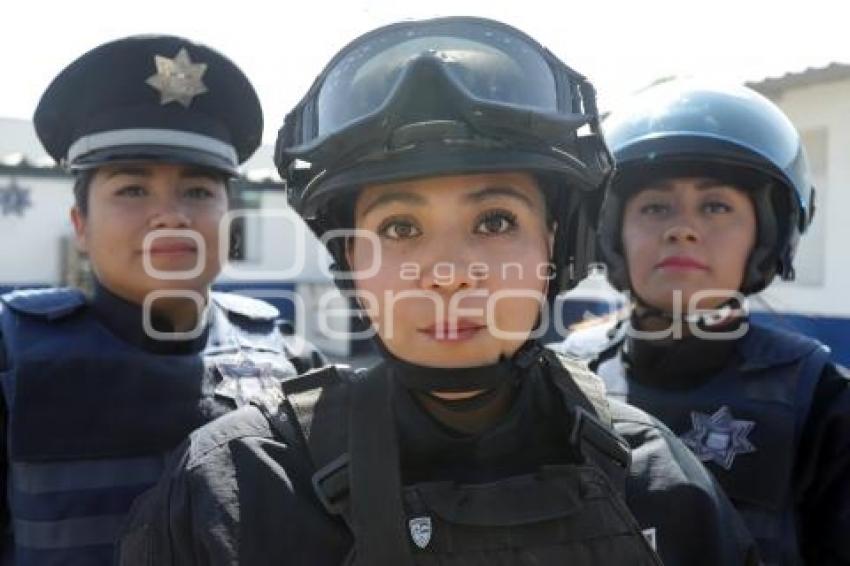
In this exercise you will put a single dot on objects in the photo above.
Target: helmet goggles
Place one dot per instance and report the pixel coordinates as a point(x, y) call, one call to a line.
point(481, 79)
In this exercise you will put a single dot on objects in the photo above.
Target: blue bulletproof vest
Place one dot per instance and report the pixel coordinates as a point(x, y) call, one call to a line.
point(90, 417)
point(744, 423)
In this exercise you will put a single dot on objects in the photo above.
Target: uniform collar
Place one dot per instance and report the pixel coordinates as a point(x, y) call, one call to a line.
point(124, 319)
point(532, 432)
point(678, 364)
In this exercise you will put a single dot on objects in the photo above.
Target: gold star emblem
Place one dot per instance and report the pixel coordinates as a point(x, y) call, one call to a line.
point(178, 79)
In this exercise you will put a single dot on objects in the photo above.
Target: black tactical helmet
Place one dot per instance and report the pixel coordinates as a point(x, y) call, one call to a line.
point(448, 96)
point(687, 128)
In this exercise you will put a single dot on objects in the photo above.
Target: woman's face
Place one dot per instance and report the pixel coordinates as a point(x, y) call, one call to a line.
point(688, 235)
point(457, 266)
point(128, 203)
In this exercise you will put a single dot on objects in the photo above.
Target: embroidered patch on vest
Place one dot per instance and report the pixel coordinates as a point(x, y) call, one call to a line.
point(420, 531)
point(719, 437)
point(244, 381)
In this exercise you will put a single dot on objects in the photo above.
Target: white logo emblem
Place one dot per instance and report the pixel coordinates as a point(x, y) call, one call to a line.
point(420, 531)
point(651, 538)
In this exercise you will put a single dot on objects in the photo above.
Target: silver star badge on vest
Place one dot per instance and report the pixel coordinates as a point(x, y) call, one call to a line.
point(243, 381)
point(719, 437)
point(178, 79)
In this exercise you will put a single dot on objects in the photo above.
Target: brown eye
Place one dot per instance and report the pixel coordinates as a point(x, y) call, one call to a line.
point(399, 230)
point(199, 193)
point(654, 209)
point(131, 191)
point(716, 207)
point(497, 222)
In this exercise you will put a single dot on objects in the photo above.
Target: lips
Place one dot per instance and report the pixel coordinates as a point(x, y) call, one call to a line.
point(453, 332)
point(681, 262)
point(175, 248)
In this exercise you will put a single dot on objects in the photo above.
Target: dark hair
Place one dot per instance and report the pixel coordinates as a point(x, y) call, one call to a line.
point(82, 182)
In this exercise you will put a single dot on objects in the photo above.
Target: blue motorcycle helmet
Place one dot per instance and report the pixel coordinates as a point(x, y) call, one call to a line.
point(730, 132)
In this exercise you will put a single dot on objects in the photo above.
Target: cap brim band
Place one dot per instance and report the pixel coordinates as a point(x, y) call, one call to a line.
point(123, 143)
point(153, 154)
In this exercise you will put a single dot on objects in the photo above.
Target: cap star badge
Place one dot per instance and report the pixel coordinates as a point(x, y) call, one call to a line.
point(719, 437)
point(178, 79)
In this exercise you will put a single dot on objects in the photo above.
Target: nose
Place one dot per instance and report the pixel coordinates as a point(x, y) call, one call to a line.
point(681, 231)
point(450, 271)
point(168, 212)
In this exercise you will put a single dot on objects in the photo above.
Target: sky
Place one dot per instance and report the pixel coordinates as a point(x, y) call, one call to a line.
point(282, 45)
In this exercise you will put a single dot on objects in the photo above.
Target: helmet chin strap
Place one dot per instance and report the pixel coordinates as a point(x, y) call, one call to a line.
point(433, 379)
point(706, 319)
point(430, 380)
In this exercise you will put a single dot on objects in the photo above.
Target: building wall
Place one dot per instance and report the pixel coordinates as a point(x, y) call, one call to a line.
point(31, 245)
point(279, 245)
point(822, 115)
point(287, 266)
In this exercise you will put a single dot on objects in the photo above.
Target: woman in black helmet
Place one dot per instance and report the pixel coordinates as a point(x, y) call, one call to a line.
point(710, 198)
point(447, 179)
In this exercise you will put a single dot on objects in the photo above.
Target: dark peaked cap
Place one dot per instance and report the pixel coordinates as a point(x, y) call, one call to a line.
point(150, 98)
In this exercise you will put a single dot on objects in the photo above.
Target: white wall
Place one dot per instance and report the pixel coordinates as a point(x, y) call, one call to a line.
point(31, 245)
point(280, 246)
point(822, 108)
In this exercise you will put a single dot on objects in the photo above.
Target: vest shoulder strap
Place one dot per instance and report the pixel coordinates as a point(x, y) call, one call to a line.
point(317, 406)
point(571, 370)
point(592, 430)
point(246, 307)
point(592, 339)
point(51, 304)
point(324, 404)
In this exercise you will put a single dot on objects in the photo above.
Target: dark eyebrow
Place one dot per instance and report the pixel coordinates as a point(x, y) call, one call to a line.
point(666, 185)
point(498, 191)
point(132, 171)
point(395, 196)
point(185, 173)
point(710, 183)
point(203, 172)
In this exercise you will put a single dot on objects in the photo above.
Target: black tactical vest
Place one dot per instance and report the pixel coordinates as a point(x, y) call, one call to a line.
point(558, 514)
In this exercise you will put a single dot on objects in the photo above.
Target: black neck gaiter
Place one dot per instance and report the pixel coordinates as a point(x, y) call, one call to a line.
point(680, 363)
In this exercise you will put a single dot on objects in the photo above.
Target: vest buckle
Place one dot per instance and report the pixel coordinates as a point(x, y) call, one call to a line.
point(588, 430)
point(330, 484)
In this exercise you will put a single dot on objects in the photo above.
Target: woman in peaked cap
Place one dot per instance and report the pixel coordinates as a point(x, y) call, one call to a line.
point(97, 389)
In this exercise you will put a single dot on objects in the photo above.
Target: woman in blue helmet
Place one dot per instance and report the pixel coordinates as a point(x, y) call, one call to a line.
point(449, 182)
point(711, 195)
